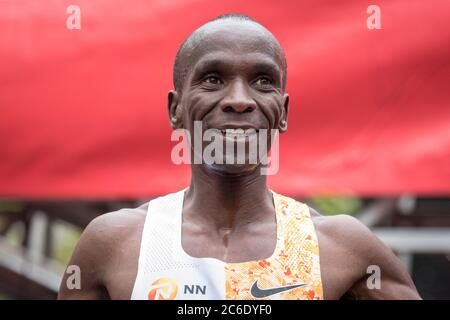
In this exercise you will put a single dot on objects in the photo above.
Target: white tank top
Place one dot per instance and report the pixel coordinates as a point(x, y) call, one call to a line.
point(166, 271)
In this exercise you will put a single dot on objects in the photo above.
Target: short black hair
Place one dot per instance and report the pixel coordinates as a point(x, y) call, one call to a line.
point(180, 68)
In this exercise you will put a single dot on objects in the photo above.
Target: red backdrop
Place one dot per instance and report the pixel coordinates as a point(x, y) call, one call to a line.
point(83, 112)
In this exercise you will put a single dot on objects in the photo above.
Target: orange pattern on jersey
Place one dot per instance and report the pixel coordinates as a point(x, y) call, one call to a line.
point(294, 261)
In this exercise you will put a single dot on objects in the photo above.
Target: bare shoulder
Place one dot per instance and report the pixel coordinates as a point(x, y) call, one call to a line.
point(349, 248)
point(101, 247)
point(117, 225)
point(111, 232)
point(350, 234)
point(342, 226)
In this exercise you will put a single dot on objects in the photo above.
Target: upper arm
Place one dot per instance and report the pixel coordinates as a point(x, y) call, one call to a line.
point(88, 257)
point(395, 281)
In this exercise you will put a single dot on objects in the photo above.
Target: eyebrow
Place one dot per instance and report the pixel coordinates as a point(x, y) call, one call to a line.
point(207, 65)
point(266, 66)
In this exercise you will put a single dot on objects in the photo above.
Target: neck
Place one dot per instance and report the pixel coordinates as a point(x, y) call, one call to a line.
point(226, 202)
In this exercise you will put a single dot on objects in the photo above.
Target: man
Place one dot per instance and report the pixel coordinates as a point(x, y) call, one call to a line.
point(228, 236)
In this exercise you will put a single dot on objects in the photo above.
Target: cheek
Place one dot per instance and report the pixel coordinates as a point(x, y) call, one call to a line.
point(196, 106)
point(271, 107)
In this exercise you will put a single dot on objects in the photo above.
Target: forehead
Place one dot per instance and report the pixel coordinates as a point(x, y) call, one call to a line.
point(231, 41)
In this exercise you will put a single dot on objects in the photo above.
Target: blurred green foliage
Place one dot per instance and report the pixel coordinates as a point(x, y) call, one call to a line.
point(65, 237)
point(332, 205)
point(15, 235)
point(11, 206)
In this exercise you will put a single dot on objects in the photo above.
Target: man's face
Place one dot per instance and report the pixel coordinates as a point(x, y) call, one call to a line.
point(234, 81)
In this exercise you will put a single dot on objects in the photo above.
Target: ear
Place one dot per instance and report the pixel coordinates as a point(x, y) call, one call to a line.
point(282, 126)
point(174, 110)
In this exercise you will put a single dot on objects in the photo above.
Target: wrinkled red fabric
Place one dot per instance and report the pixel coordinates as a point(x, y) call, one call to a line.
point(83, 113)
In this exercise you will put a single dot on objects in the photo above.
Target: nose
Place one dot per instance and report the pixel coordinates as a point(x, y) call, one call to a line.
point(237, 99)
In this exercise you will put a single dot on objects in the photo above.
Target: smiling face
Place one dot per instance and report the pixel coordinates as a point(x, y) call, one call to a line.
point(234, 79)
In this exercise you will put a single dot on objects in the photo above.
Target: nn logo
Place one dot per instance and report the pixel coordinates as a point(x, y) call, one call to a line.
point(163, 289)
point(167, 289)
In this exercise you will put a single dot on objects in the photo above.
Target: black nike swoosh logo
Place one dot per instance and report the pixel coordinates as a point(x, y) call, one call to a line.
point(263, 293)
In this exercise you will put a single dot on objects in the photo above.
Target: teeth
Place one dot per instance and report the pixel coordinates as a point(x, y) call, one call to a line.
point(237, 132)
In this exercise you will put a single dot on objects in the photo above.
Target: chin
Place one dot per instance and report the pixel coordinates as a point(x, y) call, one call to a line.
point(233, 169)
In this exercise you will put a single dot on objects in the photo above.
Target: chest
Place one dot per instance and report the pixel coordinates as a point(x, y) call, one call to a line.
point(250, 244)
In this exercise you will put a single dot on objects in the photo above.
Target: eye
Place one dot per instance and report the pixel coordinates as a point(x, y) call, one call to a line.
point(264, 82)
point(212, 80)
